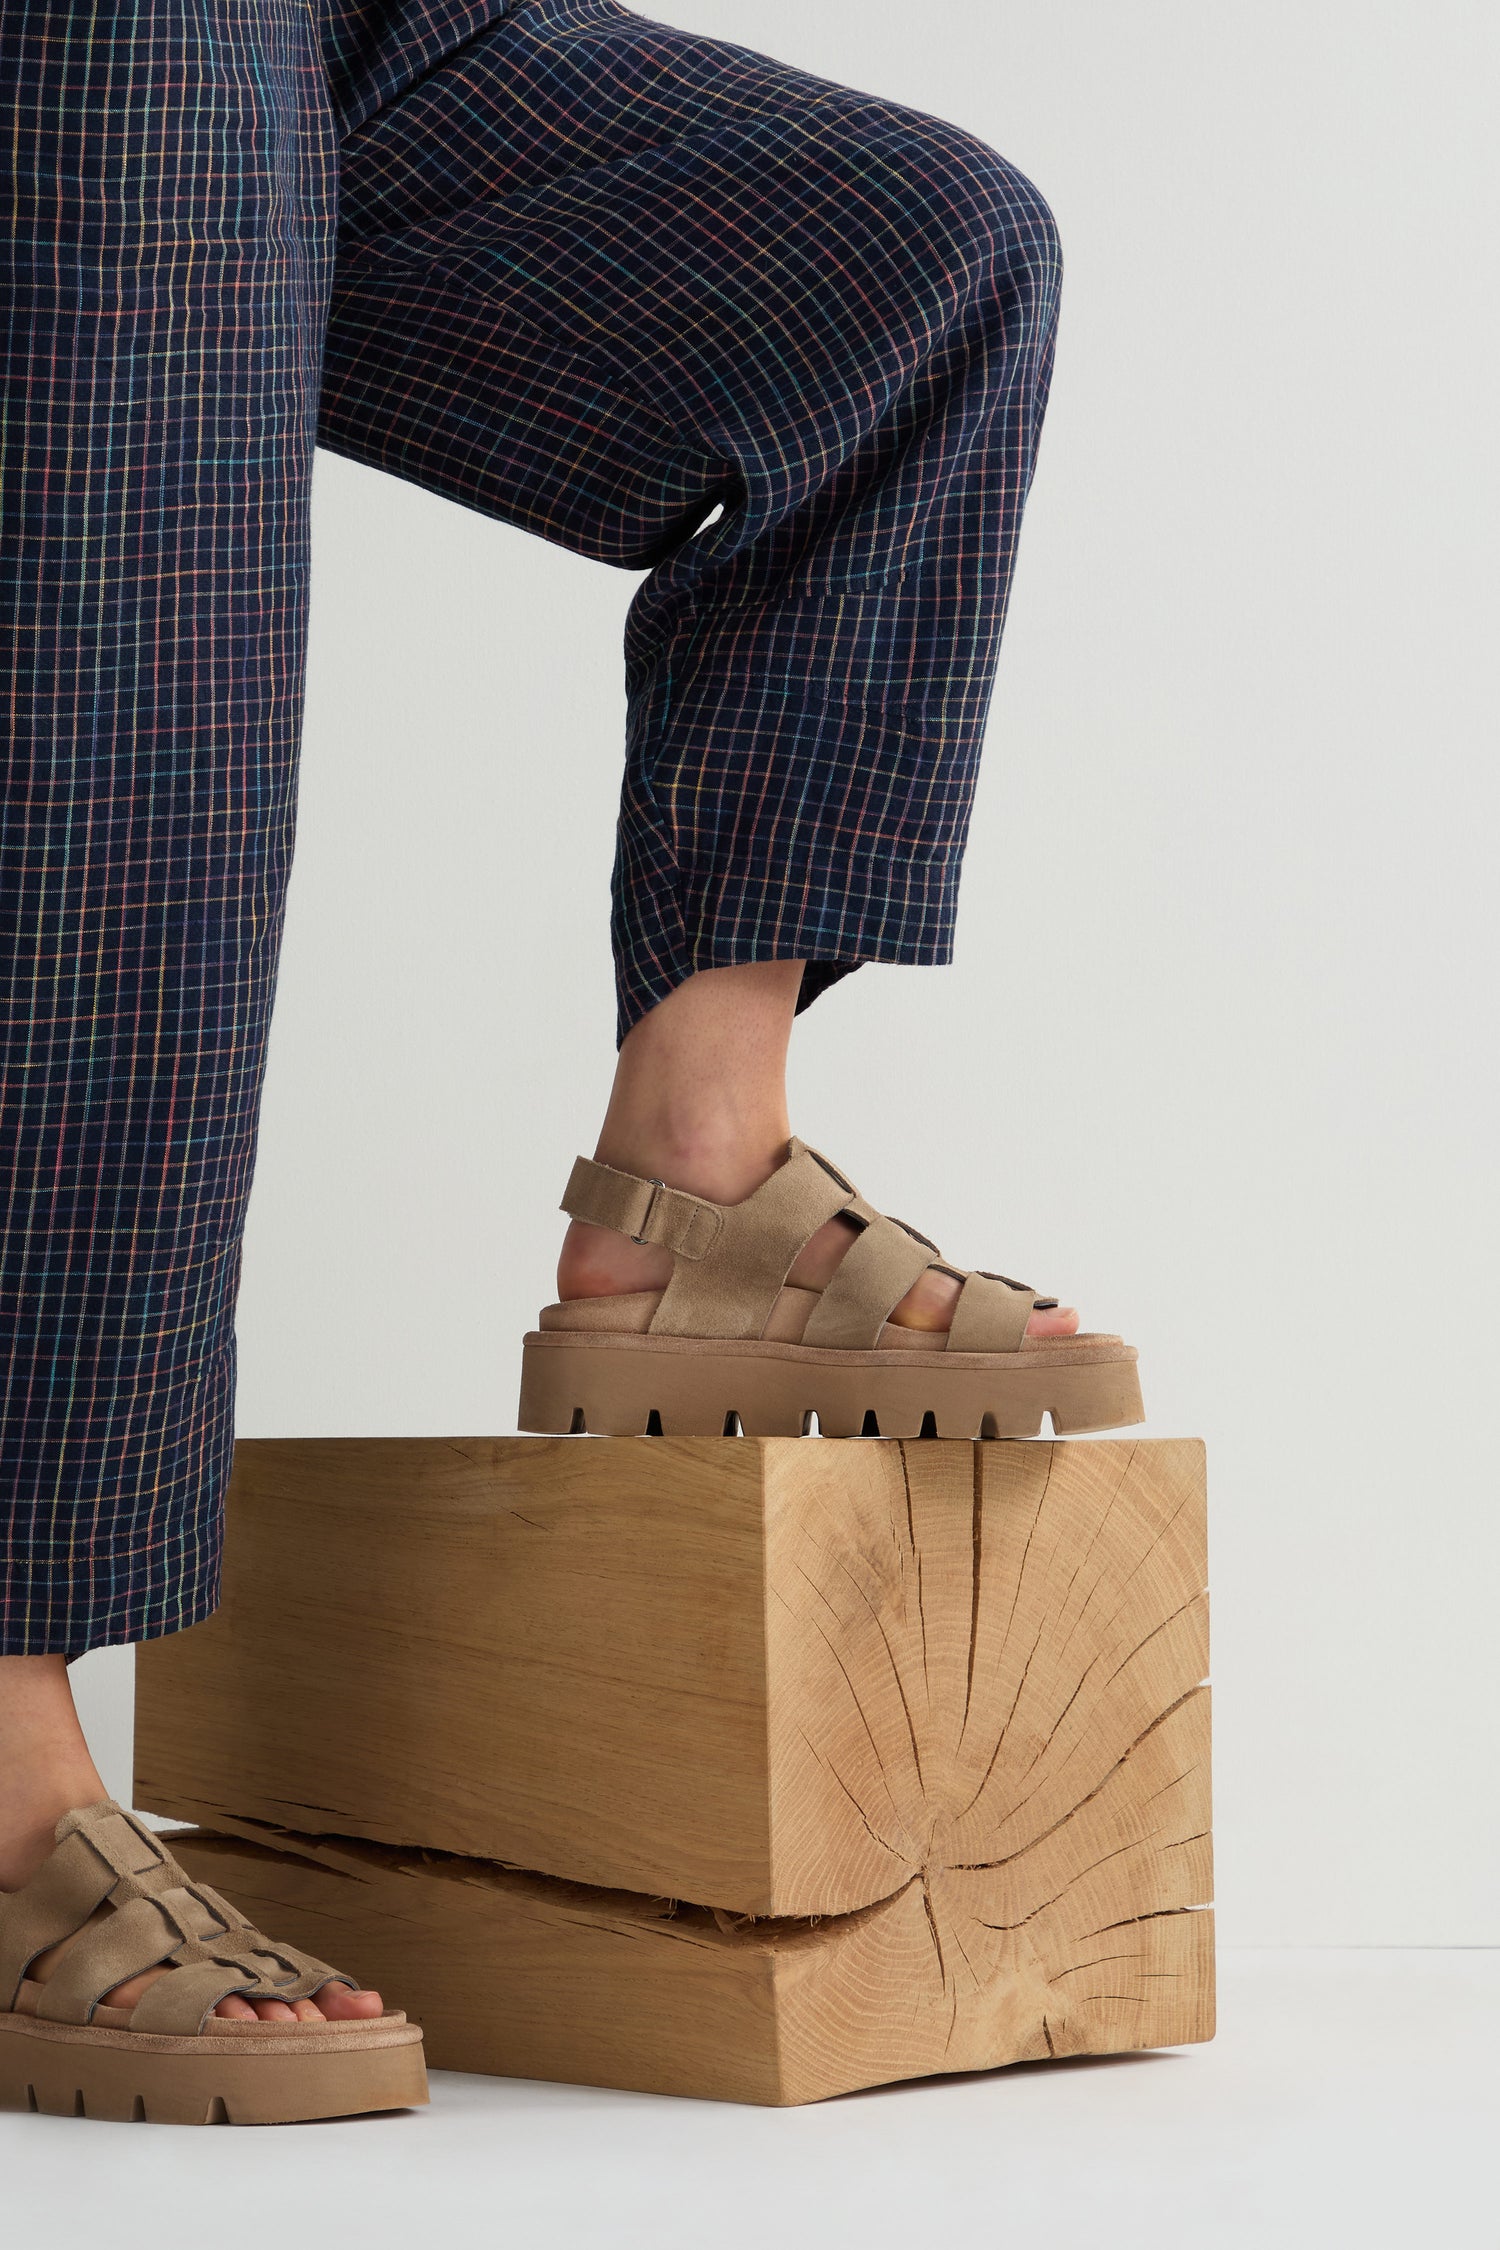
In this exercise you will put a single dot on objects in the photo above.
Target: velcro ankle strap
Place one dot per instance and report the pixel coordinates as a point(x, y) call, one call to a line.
point(646, 1210)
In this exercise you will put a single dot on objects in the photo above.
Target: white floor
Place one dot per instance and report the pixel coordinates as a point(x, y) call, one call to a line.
point(1349, 2100)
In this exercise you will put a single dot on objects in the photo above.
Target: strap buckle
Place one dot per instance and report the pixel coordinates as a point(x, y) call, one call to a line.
point(658, 1187)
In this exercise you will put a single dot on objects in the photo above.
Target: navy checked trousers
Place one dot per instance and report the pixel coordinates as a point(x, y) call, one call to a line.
point(779, 346)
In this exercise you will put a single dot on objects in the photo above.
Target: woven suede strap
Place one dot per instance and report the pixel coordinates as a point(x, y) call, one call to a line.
point(868, 1283)
point(731, 1289)
point(733, 1258)
point(125, 1905)
point(991, 1314)
point(54, 1905)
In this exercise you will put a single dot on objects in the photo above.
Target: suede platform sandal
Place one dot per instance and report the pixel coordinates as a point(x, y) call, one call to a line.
point(728, 1341)
point(119, 1904)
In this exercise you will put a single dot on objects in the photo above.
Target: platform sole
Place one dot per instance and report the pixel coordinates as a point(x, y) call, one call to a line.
point(60, 2070)
point(627, 1386)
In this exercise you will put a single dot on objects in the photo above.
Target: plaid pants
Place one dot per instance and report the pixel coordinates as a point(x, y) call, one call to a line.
point(779, 346)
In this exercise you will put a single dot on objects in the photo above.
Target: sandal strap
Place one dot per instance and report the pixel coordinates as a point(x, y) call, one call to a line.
point(729, 1291)
point(100, 1851)
point(991, 1314)
point(734, 1258)
point(156, 1918)
point(868, 1283)
point(182, 2002)
point(142, 1934)
point(646, 1210)
point(53, 1906)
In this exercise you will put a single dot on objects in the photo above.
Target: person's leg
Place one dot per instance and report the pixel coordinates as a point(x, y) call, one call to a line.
point(170, 176)
point(166, 285)
point(600, 277)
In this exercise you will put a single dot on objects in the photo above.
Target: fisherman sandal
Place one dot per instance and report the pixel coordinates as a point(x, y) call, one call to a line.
point(115, 1891)
point(729, 1343)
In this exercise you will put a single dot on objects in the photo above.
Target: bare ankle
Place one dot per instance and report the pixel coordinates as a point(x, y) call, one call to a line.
point(45, 1767)
point(699, 1098)
point(29, 1835)
point(724, 1158)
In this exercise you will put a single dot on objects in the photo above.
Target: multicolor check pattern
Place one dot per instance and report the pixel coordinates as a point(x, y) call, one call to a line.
point(779, 346)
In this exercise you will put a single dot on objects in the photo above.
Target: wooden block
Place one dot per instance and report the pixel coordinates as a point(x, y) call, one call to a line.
point(917, 1728)
point(780, 1677)
point(525, 1976)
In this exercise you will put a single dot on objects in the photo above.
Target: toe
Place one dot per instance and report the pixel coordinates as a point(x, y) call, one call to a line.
point(274, 2011)
point(308, 2011)
point(340, 2005)
point(1061, 1320)
point(236, 2008)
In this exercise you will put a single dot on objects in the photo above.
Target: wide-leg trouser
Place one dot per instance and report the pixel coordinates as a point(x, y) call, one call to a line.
point(780, 346)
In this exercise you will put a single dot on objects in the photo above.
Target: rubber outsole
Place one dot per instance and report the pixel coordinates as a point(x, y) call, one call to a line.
point(134, 2078)
point(630, 1386)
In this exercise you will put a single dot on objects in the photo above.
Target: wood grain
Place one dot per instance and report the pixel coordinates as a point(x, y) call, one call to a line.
point(775, 1676)
point(530, 1649)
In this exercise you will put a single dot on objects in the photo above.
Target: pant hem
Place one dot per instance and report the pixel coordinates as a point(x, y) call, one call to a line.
point(144, 1618)
point(646, 977)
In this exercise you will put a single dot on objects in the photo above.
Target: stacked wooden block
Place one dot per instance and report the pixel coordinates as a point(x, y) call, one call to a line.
point(752, 1768)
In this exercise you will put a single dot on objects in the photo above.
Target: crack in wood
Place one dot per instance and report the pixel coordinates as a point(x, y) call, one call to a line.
point(932, 1925)
point(1197, 1595)
point(1137, 1843)
point(855, 1698)
point(976, 1865)
point(916, 1555)
point(1157, 1541)
point(909, 1857)
point(977, 1980)
point(559, 1896)
point(1057, 1724)
point(975, 1583)
point(1100, 1961)
point(1005, 1635)
point(890, 1653)
point(1097, 1535)
point(1055, 1776)
point(1157, 1914)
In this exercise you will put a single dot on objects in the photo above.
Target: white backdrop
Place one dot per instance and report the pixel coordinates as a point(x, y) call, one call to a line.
point(1217, 1058)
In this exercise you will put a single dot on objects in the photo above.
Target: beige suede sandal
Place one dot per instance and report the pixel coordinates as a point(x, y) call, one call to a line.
point(727, 1341)
point(113, 1889)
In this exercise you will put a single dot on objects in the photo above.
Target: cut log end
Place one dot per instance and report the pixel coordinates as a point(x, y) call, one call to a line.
point(988, 1682)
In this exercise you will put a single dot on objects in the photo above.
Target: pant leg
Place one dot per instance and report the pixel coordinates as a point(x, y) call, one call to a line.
point(169, 177)
point(598, 276)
